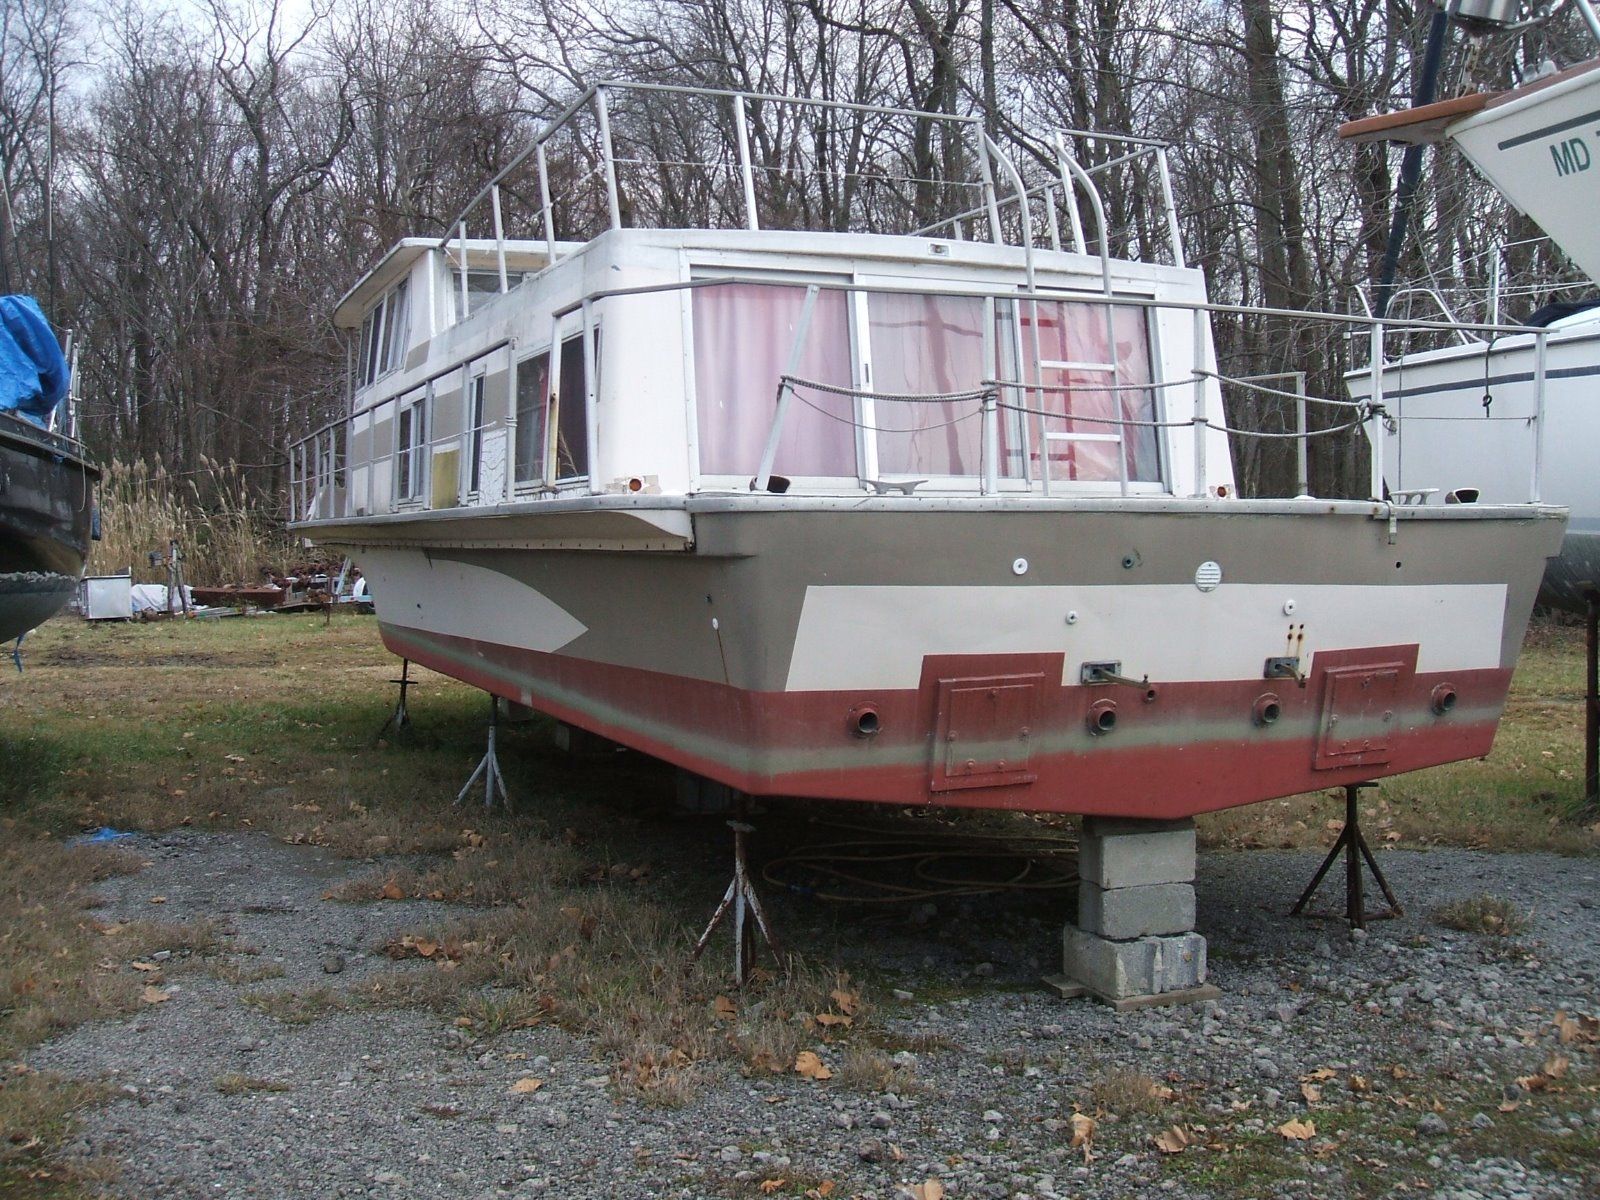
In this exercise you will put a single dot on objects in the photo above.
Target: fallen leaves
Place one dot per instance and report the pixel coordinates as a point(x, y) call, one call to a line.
point(526, 1086)
point(139, 965)
point(1175, 1140)
point(1554, 1068)
point(391, 890)
point(1083, 1130)
point(1297, 1130)
point(155, 995)
point(724, 1009)
point(1311, 1092)
point(930, 1189)
point(1577, 1028)
point(809, 1066)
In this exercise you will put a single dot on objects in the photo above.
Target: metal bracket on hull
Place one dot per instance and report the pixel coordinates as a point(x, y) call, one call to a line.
point(488, 768)
point(741, 898)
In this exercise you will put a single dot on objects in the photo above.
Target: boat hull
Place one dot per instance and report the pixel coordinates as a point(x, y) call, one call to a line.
point(912, 654)
point(46, 498)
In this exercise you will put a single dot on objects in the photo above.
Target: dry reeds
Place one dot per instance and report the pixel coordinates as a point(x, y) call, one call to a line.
point(225, 535)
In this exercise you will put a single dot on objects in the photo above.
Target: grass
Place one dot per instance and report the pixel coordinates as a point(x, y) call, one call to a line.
point(244, 1085)
point(1483, 913)
point(579, 909)
point(1527, 794)
point(225, 534)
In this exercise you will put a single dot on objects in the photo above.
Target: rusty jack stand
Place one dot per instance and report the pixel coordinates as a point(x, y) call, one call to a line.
point(741, 897)
point(488, 767)
point(400, 719)
point(1355, 849)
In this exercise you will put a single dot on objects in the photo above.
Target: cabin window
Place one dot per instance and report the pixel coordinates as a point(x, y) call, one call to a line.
point(533, 385)
point(925, 345)
point(480, 284)
point(475, 435)
point(383, 336)
point(1075, 352)
point(411, 442)
point(572, 411)
point(742, 337)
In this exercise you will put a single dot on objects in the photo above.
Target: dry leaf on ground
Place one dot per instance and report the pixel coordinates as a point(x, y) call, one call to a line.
point(931, 1189)
point(144, 966)
point(154, 995)
point(391, 891)
point(1311, 1092)
point(1174, 1141)
point(1083, 1129)
point(806, 1063)
point(1298, 1131)
point(768, 1186)
point(847, 1001)
point(724, 1008)
point(526, 1086)
point(832, 1019)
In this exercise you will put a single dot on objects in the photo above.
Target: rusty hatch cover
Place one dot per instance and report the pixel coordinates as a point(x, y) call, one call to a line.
point(1358, 714)
point(983, 733)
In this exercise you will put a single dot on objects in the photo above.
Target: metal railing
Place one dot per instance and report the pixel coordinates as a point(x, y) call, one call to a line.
point(313, 465)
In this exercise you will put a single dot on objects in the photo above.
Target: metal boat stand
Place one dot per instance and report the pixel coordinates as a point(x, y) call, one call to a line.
point(399, 721)
point(1355, 849)
point(742, 899)
point(488, 768)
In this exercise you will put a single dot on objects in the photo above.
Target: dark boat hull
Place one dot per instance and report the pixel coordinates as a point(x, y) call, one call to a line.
point(46, 500)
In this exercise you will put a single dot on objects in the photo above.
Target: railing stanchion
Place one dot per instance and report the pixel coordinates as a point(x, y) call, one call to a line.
point(802, 327)
point(1541, 346)
point(1167, 205)
point(991, 199)
point(746, 173)
point(546, 209)
point(499, 237)
point(602, 114)
point(466, 303)
point(1302, 443)
point(511, 424)
point(989, 478)
point(1201, 423)
point(1375, 419)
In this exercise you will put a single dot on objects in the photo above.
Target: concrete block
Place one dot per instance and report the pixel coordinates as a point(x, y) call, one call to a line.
point(1142, 967)
point(1120, 853)
point(1132, 912)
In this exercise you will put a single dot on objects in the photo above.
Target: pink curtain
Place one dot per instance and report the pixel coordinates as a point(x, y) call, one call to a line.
point(742, 336)
point(1076, 332)
point(927, 344)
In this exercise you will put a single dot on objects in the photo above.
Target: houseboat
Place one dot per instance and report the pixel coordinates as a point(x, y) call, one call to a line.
point(812, 505)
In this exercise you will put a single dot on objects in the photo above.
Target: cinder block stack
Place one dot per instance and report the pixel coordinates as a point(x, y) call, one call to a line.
point(1135, 933)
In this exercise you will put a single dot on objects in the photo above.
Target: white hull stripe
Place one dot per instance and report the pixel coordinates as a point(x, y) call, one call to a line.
point(463, 600)
point(876, 636)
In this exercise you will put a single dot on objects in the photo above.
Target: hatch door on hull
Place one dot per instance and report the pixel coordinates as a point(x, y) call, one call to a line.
point(983, 732)
point(1358, 714)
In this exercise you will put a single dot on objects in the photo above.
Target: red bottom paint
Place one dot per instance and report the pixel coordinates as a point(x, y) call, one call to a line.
point(1002, 732)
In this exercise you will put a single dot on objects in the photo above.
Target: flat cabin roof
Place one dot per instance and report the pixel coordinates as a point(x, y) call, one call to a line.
point(482, 255)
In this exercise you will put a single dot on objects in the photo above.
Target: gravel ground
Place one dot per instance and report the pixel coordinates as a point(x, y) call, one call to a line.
point(1413, 1034)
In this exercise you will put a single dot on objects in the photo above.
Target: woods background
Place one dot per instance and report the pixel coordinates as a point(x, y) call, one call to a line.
point(191, 190)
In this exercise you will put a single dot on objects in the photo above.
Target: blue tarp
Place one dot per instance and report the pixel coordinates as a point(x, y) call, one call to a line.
point(33, 371)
